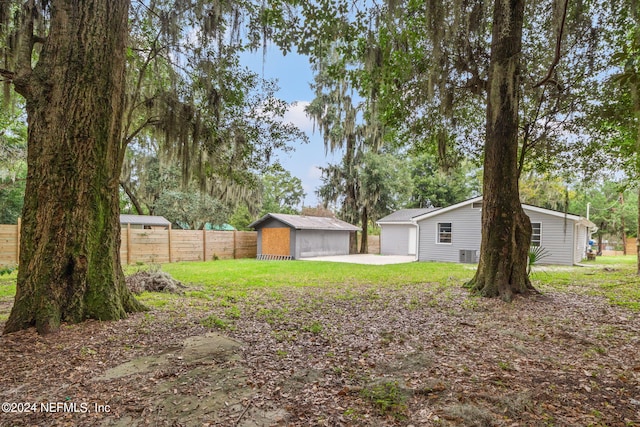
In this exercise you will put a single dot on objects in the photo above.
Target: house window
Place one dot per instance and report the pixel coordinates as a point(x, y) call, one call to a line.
point(444, 232)
point(536, 233)
point(476, 205)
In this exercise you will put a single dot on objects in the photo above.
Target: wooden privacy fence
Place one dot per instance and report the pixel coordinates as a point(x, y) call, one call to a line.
point(9, 244)
point(631, 248)
point(373, 243)
point(147, 246)
point(185, 245)
point(139, 245)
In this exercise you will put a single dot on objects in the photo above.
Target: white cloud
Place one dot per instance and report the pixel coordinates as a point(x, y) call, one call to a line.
point(314, 173)
point(311, 198)
point(296, 115)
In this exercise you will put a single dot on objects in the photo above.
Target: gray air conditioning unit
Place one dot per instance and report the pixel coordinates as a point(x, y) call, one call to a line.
point(468, 256)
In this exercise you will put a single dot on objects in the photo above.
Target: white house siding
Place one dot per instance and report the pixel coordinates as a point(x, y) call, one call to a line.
point(579, 252)
point(557, 237)
point(465, 234)
point(394, 239)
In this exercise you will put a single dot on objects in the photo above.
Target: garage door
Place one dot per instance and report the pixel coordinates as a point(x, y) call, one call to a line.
point(276, 241)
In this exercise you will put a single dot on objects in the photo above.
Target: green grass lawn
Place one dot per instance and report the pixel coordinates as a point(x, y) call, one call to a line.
point(8, 284)
point(377, 331)
point(612, 277)
point(233, 279)
point(249, 273)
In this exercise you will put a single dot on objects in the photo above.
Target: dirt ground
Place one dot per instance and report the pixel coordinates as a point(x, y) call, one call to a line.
point(425, 355)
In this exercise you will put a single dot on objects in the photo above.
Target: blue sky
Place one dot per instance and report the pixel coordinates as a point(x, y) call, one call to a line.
point(294, 77)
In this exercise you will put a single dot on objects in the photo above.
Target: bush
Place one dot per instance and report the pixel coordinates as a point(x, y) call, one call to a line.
point(4, 269)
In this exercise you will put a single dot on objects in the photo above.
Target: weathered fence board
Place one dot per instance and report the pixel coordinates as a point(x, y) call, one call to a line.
point(246, 244)
point(149, 246)
point(632, 248)
point(9, 238)
point(373, 244)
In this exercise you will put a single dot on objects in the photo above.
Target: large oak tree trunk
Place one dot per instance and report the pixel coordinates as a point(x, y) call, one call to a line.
point(364, 239)
point(638, 226)
point(635, 96)
point(69, 256)
point(351, 199)
point(506, 229)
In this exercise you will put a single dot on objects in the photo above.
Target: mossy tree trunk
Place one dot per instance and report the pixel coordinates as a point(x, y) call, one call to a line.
point(506, 229)
point(635, 96)
point(69, 267)
point(364, 240)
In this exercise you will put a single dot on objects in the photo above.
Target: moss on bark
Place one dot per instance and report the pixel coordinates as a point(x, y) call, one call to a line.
point(69, 258)
point(506, 230)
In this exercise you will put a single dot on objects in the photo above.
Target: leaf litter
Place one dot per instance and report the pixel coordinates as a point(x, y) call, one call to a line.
point(419, 355)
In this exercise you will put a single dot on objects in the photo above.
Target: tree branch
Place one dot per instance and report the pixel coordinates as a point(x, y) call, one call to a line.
point(476, 85)
point(153, 52)
point(526, 138)
point(558, 54)
point(22, 76)
point(129, 138)
point(149, 121)
point(132, 197)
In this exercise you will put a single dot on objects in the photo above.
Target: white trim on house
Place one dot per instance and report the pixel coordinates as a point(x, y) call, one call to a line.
point(417, 227)
point(553, 213)
point(409, 222)
point(439, 233)
point(539, 233)
point(532, 208)
point(404, 216)
point(413, 241)
point(445, 210)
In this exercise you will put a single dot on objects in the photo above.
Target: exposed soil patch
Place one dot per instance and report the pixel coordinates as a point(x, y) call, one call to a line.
point(425, 355)
point(193, 383)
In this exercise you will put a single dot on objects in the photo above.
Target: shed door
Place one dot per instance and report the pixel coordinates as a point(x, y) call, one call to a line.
point(413, 239)
point(276, 241)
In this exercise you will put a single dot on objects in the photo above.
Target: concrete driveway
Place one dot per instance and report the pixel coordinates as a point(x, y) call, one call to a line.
point(370, 259)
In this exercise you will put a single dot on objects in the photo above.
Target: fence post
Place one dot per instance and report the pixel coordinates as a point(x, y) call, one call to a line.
point(170, 254)
point(204, 244)
point(235, 243)
point(18, 240)
point(128, 243)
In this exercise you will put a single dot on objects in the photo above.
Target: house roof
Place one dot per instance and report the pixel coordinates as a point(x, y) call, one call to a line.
point(571, 217)
point(404, 215)
point(303, 222)
point(447, 209)
point(152, 220)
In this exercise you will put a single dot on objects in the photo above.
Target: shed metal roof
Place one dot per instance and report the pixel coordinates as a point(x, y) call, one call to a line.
point(405, 215)
point(303, 222)
point(152, 220)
